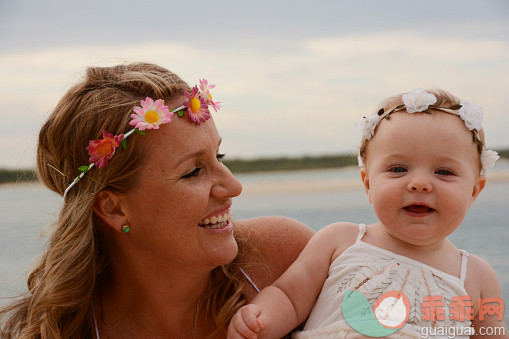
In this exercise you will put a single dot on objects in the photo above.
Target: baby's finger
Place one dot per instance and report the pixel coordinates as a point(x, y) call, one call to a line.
point(239, 329)
point(260, 324)
point(250, 314)
point(234, 334)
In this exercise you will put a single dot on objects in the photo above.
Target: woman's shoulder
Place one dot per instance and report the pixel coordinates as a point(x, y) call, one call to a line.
point(272, 245)
point(275, 234)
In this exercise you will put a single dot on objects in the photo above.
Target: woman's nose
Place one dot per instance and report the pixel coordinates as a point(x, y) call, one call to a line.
point(226, 185)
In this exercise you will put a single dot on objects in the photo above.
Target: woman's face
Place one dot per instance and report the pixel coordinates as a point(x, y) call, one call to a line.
point(182, 186)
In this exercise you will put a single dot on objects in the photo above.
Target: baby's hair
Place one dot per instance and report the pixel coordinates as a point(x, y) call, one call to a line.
point(447, 100)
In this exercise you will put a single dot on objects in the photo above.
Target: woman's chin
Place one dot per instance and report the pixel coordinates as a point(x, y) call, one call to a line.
point(221, 251)
point(230, 251)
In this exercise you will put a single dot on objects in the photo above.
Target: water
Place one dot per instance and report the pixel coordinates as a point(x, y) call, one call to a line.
point(316, 198)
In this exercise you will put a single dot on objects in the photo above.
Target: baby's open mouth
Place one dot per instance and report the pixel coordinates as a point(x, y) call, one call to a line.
point(418, 208)
point(218, 221)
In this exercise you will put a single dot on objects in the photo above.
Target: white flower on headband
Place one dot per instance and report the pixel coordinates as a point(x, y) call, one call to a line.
point(472, 115)
point(368, 125)
point(150, 115)
point(418, 100)
point(488, 159)
point(359, 160)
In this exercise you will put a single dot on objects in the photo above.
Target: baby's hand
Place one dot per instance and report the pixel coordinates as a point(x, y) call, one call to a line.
point(246, 323)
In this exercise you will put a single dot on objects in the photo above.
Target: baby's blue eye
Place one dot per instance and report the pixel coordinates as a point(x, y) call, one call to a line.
point(444, 172)
point(398, 169)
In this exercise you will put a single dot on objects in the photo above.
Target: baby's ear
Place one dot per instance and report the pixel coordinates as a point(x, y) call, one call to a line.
point(365, 181)
point(480, 182)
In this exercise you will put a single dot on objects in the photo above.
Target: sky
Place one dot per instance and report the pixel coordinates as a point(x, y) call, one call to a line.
point(293, 76)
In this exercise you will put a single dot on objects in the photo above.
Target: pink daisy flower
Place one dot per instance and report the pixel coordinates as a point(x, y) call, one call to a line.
point(197, 108)
point(150, 115)
point(205, 88)
point(102, 150)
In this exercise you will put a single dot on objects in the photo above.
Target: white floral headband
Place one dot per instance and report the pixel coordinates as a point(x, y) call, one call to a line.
point(419, 100)
point(150, 115)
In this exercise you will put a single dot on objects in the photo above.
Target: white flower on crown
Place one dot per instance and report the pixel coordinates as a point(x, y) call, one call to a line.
point(418, 100)
point(368, 125)
point(488, 159)
point(472, 115)
point(360, 162)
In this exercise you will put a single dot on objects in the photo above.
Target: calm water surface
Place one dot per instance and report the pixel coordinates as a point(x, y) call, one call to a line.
point(25, 210)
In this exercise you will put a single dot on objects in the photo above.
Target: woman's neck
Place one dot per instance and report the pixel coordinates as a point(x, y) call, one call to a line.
point(135, 303)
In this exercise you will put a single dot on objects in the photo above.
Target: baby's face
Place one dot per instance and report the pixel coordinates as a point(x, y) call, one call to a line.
point(422, 175)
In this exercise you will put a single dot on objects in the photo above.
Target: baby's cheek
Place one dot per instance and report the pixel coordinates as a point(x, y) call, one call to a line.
point(458, 207)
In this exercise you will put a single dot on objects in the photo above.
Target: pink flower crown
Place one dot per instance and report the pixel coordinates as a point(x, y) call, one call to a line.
point(150, 115)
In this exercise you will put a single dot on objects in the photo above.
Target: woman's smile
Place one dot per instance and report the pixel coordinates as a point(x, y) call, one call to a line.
point(218, 223)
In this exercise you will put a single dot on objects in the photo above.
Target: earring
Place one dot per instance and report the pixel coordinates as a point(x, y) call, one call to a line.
point(126, 228)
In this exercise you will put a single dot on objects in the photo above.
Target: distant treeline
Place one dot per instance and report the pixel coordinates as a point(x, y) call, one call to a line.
point(244, 166)
point(287, 164)
point(504, 153)
point(305, 162)
point(17, 175)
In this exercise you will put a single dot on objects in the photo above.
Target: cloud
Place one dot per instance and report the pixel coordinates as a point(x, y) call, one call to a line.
point(410, 45)
point(302, 97)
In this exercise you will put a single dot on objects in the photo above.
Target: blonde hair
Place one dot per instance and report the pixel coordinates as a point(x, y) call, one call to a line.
point(58, 303)
point(447, 99)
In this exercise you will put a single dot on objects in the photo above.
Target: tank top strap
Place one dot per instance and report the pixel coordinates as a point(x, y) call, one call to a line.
point(95, 323)
point(362, 231)
point(464, 260)
point(250, 280)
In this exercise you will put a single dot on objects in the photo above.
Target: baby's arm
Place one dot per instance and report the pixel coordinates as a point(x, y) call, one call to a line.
point(285, 304)
point(483, 279)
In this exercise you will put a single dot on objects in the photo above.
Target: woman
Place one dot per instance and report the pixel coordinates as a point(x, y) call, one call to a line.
point(144, 245)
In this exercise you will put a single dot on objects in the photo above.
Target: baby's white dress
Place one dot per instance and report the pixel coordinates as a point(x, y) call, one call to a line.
point(373, 271)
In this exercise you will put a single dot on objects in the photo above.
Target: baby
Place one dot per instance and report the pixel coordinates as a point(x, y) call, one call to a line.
point(423, 164)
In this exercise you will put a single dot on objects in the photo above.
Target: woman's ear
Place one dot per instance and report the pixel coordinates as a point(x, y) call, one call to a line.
point(108, 207)
point(365, 182)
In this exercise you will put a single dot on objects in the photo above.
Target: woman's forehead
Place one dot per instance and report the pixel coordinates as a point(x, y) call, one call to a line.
point(181, 138)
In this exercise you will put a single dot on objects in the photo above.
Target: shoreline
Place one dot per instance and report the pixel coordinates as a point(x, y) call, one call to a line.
point(261, 186)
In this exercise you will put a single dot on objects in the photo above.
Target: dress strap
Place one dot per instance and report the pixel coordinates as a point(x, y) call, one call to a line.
point(464, 260)
point(250, 281)
point(362, 231)
point(95, 323)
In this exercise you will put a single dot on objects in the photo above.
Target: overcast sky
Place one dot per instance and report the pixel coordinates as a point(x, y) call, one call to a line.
point(293, 76)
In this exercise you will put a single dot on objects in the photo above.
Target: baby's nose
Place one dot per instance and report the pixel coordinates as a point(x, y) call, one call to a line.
point(420, 185)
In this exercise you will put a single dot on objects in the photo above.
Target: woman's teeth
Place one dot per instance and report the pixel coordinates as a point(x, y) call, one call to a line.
point(218, 221)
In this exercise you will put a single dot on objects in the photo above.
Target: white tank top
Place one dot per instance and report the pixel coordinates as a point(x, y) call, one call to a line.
point(373, 271)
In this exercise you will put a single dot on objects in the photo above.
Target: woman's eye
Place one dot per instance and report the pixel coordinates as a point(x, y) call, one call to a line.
point(444, 172)
point(220, 156)
point(192, 174)
point(398, 169)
